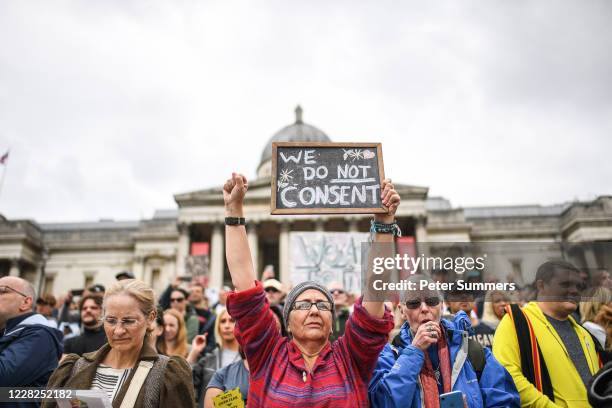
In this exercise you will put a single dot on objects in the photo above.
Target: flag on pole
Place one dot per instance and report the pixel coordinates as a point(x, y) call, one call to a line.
point(4, 158)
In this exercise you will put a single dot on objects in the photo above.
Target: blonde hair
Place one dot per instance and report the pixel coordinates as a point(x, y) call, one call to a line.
point(600, 296)
point(218, 324)
point(139, 291)
point(180, 342)
point(488, 315)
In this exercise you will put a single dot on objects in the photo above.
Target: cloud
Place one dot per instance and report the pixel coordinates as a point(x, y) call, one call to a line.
point(110, 108)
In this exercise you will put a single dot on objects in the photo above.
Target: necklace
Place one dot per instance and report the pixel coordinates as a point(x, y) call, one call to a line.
point(304, 353)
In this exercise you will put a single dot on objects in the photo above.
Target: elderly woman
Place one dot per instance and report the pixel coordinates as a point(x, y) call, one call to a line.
point(303, 369)
point(432, 356)
point(128, 369)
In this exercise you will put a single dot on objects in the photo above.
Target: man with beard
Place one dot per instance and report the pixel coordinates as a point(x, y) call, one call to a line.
point(206, 318)
point(93, 336)
point(550, 357)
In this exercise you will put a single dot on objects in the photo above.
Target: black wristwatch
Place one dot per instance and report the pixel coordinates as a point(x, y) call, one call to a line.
point(235, 221)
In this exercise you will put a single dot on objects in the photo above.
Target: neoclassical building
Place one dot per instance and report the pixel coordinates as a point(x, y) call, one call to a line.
point(189, 239)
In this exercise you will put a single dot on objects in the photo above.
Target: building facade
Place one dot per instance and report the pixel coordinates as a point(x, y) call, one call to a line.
point(58, 257)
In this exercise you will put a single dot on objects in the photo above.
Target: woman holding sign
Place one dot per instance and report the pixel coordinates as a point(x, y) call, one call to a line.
point(303, 369)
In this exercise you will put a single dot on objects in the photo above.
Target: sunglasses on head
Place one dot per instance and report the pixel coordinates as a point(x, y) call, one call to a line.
point(416, 303)
point(272, 290)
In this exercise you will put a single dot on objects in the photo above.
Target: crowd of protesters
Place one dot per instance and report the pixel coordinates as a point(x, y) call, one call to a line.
point(312, 345)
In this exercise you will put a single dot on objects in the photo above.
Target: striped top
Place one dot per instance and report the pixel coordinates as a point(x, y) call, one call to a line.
point(278, 374)
point(110, 380)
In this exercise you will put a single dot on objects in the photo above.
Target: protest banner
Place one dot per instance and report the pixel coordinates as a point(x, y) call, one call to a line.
point(326, 178)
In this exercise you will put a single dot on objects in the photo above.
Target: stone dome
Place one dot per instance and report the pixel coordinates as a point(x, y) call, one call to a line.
point(296, 132)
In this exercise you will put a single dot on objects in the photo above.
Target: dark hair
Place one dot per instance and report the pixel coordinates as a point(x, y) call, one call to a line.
point(279, 313)
point(547, 270)
point(198, 284)
point(159, 319)
point(160, 345)
point(183, 291)
point(96, 297)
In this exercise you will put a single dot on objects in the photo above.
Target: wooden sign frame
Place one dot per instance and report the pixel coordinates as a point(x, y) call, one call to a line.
point(381, 173)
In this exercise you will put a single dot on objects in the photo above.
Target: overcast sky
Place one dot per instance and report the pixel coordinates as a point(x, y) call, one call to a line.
point(110, 108)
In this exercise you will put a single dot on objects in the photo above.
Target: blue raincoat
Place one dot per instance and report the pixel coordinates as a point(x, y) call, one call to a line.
point(395, 382)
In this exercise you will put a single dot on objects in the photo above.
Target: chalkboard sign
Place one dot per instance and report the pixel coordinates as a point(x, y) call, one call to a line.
point(326, 178)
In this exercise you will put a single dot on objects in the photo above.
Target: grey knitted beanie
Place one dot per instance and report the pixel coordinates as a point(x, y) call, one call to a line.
point(297, 290)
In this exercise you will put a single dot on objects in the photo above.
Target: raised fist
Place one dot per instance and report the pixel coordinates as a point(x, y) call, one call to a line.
point(234, 191)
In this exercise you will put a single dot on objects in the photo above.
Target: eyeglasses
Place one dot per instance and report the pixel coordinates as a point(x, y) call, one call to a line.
point(416, 303)
point(6, 289)
point(177, 299)
point(126, 323)
point(306, 305)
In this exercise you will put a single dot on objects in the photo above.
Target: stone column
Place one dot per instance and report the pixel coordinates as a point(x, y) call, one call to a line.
point(254, 245)
point(40, 277)
point(320, 225)
point(353, 225)
point(138, 269)
point(15, 267)
point(183, 248)
point(216, 257)
point(420, 230)
point(283, 249)
point(590, 258)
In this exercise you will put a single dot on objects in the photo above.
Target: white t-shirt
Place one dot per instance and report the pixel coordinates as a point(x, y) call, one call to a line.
point(597, 331)
point(228, 357)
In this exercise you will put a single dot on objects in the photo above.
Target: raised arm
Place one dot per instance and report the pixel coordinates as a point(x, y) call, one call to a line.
point(391, 200)
point(237, 250)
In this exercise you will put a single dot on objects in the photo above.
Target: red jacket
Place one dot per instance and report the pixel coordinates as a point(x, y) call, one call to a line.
point(340, 375)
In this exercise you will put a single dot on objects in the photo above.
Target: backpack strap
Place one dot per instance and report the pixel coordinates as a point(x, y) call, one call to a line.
point(533, 365)
point(601, 353)
point(476, 353)
point(136, 384)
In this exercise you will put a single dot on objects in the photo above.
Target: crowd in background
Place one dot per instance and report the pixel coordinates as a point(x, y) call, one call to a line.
point(188, 326)
point(311, 345)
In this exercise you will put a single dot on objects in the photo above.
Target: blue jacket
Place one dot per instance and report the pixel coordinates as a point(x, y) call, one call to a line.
point(29, 352)
point(395, 382)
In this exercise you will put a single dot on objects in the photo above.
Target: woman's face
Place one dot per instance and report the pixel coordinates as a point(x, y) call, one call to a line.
point(499, 304)
point(310, 324)
point(226, 327)
point(178, 301)
point(171, 326)
point(422, 307)
point(125, 324)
